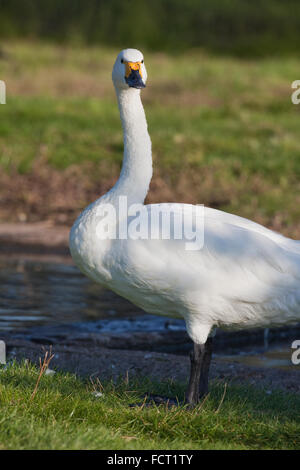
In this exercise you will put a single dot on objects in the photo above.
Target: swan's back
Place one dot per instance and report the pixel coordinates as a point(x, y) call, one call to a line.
point(284, 242)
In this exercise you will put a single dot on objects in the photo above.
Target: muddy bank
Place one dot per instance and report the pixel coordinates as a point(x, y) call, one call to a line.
point(36, 241)
point(94, 361)
point(150, 333)
point(81, 349)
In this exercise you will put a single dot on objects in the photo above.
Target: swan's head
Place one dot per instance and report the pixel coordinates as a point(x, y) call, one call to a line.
point(129, 70)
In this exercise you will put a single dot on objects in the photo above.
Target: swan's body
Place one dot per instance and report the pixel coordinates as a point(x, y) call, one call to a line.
point(244, 276)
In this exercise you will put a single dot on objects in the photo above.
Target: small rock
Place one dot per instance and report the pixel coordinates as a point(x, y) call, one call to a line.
point(50, 372)
point(97, 394)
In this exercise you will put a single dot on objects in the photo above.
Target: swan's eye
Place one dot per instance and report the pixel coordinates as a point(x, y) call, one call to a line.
point(142, 61)
point(122, 61)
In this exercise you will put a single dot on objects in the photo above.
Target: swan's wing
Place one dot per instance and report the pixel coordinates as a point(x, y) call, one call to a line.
point(226, 242)
point(236, 268)
point(287, 243)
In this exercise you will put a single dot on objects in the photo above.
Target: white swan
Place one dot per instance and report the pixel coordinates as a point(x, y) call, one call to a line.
point(244, 276)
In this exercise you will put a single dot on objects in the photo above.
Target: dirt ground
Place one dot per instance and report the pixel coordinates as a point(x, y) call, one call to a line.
point(93, 361)
point(74, 188)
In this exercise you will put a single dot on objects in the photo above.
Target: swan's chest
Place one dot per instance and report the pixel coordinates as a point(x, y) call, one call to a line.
point(87, 249)
point(112, 263)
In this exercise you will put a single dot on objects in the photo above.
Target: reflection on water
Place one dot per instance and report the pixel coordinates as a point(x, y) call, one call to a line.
point(33, 293)
point(278, 358)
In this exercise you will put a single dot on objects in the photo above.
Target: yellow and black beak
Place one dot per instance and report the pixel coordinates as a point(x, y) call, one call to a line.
point(133, 74)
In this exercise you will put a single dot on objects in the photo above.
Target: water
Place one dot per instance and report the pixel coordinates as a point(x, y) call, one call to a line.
point(44, 293)
point(277, 358)
point(36, 294)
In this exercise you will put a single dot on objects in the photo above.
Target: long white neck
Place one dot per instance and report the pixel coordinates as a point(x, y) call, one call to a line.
point(136, 170)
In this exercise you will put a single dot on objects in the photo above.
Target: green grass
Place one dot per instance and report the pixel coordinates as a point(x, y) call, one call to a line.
point(224, 130)
point(65, 414)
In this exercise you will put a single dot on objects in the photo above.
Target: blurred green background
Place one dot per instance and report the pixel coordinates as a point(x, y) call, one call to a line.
point(242, 27)
point(218, 102)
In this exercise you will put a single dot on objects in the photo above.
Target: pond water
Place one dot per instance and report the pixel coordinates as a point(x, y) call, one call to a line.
point(40, 293)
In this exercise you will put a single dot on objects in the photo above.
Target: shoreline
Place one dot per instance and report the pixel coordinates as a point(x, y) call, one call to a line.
point(40, 241)
point(47, 242)
point(91, 361)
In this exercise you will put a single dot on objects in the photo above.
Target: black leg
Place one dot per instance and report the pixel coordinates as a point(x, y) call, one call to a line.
point(203, 386)
point(196, 356)
point(198, 383)
point(200, 362)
